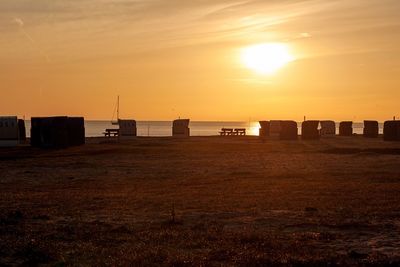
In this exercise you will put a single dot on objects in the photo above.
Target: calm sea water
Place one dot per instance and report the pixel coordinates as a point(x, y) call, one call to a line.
point(197, 128)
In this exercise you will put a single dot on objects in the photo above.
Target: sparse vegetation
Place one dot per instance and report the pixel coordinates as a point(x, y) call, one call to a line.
point(202, 201)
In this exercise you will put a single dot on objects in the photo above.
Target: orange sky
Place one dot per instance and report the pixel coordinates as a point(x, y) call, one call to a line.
point(182, 58)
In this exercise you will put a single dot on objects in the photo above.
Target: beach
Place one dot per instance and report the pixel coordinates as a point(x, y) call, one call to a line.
point(203, 201)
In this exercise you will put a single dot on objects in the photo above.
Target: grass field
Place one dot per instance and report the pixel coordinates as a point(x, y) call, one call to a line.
point(203, 201)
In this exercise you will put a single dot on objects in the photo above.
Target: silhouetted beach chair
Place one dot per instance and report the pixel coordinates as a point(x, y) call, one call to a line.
point(288, 131)
point(49, 132)
point(76, 131)
point(309, 130)
point(327, 128)
point(57, 132)
point(371, 129)
point(391, 131)
point(180, 128)
point(346, 128)
point(275, 128)
point(22, 130)
point(127, 128)
point(264, 128)
point(9, 131)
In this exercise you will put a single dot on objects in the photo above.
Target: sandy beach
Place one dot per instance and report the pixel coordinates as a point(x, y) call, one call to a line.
point(204, 201)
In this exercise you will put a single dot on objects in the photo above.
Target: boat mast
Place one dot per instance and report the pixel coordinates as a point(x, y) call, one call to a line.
point(118, 108)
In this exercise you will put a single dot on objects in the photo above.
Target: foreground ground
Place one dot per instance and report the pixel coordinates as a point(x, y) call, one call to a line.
point(202, 201)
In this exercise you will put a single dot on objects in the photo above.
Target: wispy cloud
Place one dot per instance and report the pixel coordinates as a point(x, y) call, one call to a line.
point(19, 22)
point(32, 42)
point(139, 25)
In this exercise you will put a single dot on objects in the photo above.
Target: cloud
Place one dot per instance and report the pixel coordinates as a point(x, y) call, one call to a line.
point(305, 35)
point(134, 26)
point(32, 42)
point(18, 21)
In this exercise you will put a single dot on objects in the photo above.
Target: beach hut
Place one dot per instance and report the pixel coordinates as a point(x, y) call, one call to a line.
point(371, 129)
point(327, 128)
point(309, 130)
point(57, 132)
point(180, 128)
point(275, 128)
point(9, 131)
point(391, 131)
point(264, 128)
point(127, 127)
point(76, 131)
point(346, 128)
point(289, 130)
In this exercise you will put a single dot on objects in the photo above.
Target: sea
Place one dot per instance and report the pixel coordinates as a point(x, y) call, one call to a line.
point(95, 128)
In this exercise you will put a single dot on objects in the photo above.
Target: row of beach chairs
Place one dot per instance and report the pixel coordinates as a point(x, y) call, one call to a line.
point(63, 131)
point(313, 129)
point(46, 132)
point(70, 131)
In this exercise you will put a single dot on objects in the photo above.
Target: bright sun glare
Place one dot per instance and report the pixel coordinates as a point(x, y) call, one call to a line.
point(266, 58)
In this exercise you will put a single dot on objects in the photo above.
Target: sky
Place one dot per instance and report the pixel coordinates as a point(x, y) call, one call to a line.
point(178, 58)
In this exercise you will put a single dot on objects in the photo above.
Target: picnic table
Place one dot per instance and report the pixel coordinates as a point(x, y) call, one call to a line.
point(109, 132)
point(231, 131)
point(239, 131)
point(226, 131)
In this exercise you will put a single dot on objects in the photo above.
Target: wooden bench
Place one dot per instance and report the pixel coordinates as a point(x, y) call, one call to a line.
point(239, 131)
point(226, 131)
point(109, 132)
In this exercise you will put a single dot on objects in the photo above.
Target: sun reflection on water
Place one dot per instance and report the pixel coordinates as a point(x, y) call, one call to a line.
point(253, 128)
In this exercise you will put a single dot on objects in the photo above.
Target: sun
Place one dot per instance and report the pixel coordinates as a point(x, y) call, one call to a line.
point(266, 58)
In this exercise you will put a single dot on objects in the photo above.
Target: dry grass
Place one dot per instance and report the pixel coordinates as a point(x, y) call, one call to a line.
point(202, 201)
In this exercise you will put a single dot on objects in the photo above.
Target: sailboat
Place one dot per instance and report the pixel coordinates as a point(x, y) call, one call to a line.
point(117, 108)
point(125, 127)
